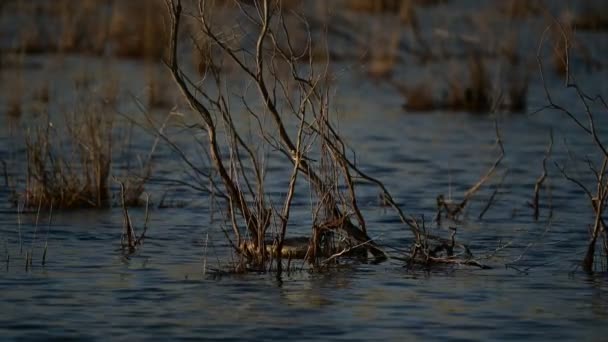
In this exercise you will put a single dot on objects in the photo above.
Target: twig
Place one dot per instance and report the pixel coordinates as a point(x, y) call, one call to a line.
point(19, 227)
point(489, 173)
point(493, 196)
point(46, 240)
point(205, 255)
point(453, 210)
point(344, 251)
point(5, 169)
point(541, 179)
point(142, 236)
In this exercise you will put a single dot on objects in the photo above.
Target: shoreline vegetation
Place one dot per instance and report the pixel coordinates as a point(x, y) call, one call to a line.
point(281, 53)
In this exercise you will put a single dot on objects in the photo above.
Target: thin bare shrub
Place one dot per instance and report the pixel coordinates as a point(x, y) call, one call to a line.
point(289, 94)
point(597, 191)
point(287, 101)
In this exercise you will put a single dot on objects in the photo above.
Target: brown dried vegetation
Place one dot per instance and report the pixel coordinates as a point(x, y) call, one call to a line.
point(70, 169)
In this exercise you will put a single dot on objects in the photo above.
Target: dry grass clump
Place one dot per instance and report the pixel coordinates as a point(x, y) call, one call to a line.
point(158, 88)
point(83, 26)
point(43, 93)
point(137, 29)
point(31, 40)
point(565, 46)
point(420, 98)
point(521, 8)
point(392, 6)
point(133, 29)
point(381, 65)
point(14, 110)
point(110, 91)
point(385, 47)
point(479, 95)
point(68, 166)
point(592, 18)
point(517, 95)
point(132, 190)
point(427, 3)
point(474, 94)
point(562, 40)
point(374, 6)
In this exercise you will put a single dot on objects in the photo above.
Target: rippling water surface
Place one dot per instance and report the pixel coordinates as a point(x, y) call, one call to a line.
point(87, 289)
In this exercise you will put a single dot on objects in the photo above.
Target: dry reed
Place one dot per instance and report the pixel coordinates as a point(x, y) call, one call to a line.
point(70, 168)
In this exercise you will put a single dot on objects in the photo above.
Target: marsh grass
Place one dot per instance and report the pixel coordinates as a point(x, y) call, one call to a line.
point(159, 90)
point(420, 97)
point(42, 94)
point(136, 29)
point(521, 8)
point(373, 6)
point(390, 6)
point(470, 90)
point(592, 17)
point(83, 29)
point(15, 109)
point(128, 29)
point(110, 92)
point(68, 164)
point(479, 73)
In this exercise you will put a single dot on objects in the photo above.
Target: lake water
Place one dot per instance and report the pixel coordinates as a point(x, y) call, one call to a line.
point(169, 289)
